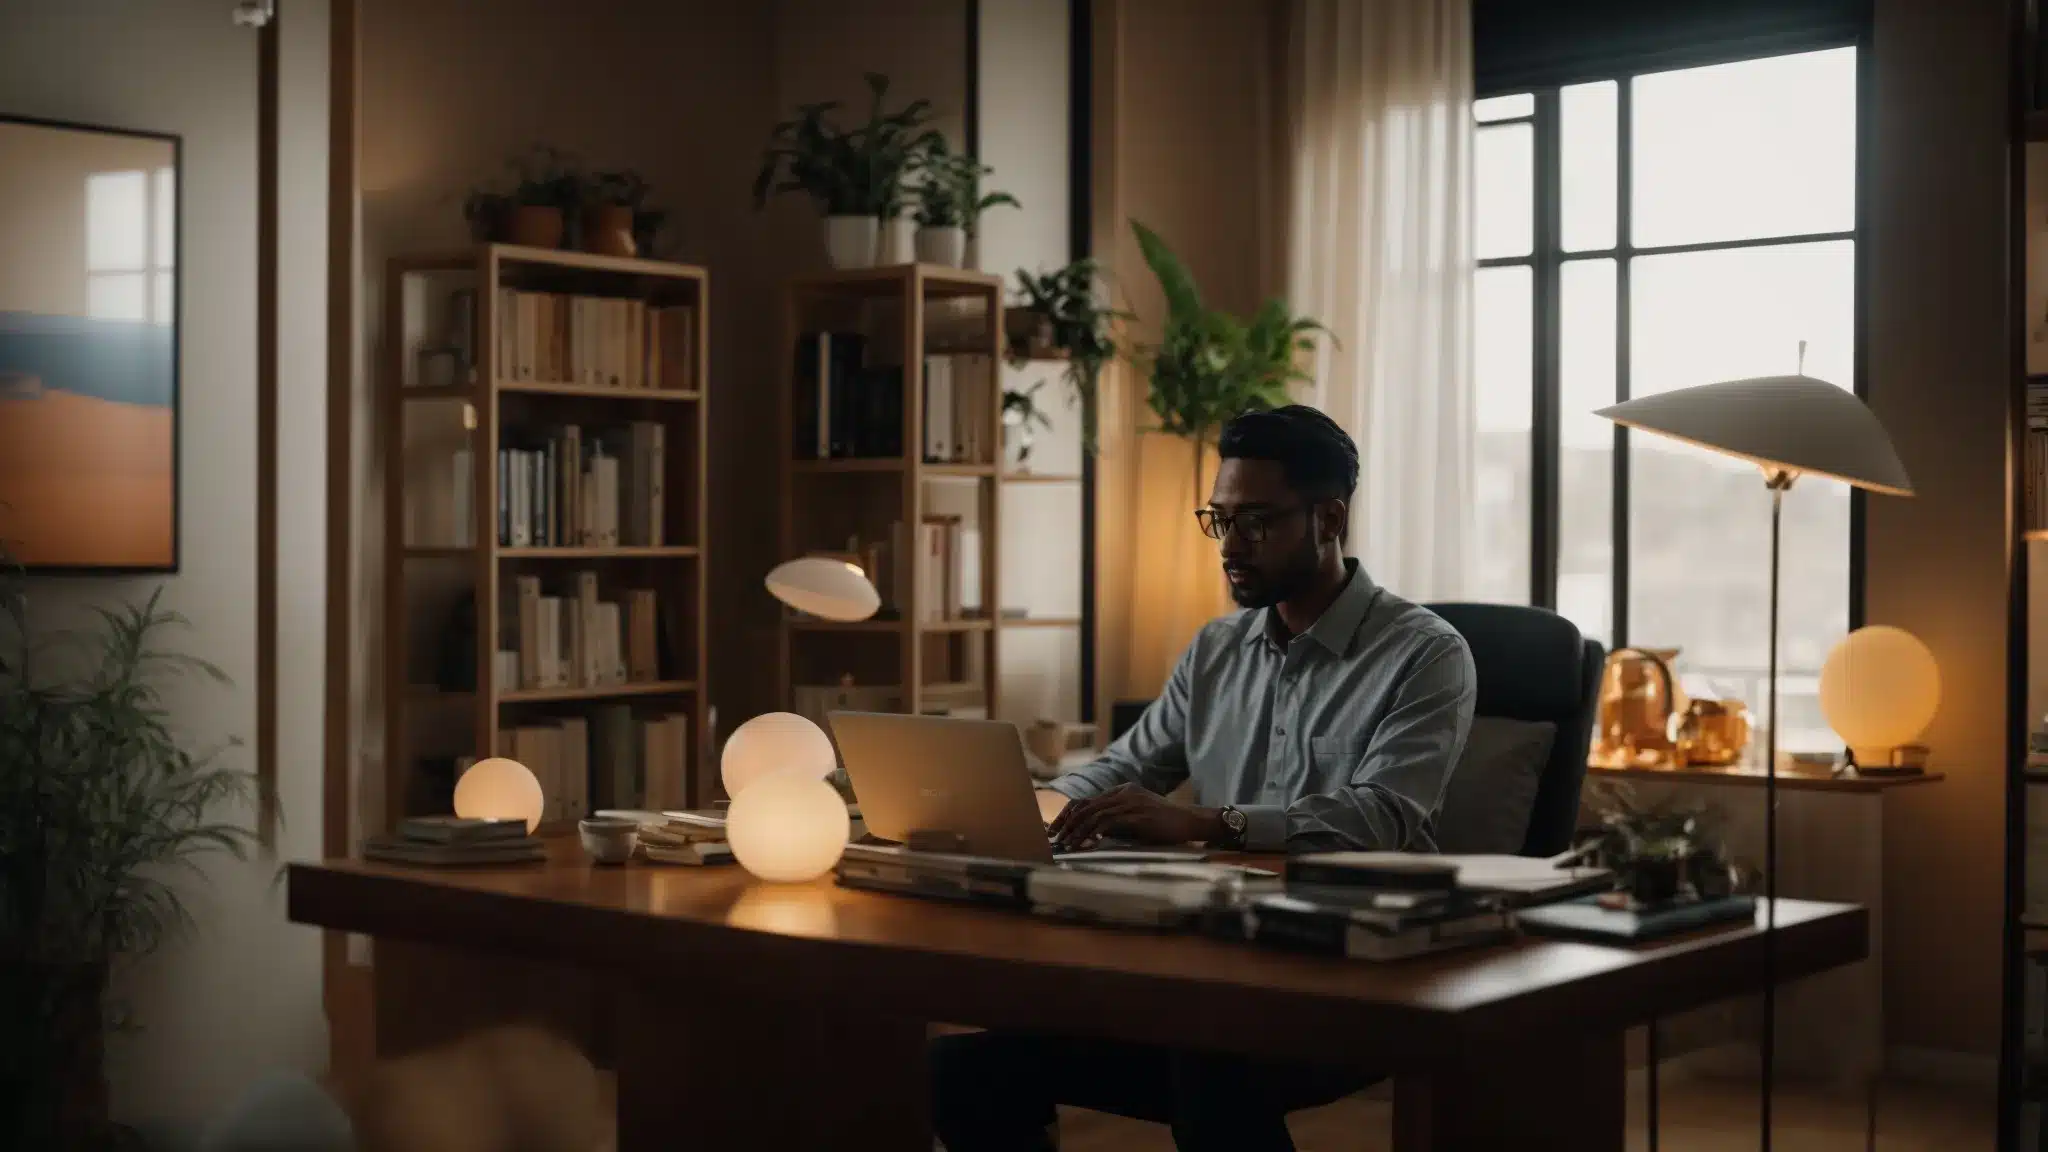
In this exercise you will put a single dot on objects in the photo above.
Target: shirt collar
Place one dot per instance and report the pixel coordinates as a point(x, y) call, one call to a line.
point(1338, 625)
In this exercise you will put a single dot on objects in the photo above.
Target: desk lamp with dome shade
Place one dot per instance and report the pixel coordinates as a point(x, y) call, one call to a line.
point(1789, 426)
point(786, 822)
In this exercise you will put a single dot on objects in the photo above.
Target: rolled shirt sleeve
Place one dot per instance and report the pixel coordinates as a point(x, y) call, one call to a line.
point(1399, 781)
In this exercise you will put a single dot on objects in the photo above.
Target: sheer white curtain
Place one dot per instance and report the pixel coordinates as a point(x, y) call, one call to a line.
point(1379, 247)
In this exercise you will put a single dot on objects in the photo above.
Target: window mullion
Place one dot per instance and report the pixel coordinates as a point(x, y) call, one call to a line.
point(1624, 145)
point(1545, 408)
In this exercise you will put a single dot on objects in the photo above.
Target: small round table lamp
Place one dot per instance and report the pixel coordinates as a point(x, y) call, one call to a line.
point(788, 828)
point(772, 743)
point(1879, 690)
point(500, 789)
point(824, 587)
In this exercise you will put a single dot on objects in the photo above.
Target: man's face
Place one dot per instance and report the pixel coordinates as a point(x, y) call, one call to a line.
point(1273, 549)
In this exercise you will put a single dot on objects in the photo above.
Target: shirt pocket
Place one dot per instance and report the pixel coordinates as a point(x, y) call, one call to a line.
point(1336, 756)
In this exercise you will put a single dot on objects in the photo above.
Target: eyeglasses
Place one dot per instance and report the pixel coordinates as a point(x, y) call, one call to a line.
point(1251, 525)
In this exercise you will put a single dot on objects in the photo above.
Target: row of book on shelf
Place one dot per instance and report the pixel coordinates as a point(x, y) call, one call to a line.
point(576, 639)
point(572, 487)
point(935, 565)
point(610, 757)
point(847, 408)
point(596, 341)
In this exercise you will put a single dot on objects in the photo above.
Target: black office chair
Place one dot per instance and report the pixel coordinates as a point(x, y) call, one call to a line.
point(1533, 665)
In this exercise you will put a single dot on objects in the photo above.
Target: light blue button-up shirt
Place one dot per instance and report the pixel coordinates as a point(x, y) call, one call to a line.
point(1341, 737)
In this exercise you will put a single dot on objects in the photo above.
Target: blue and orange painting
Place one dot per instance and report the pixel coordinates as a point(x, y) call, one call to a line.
point(88, 348)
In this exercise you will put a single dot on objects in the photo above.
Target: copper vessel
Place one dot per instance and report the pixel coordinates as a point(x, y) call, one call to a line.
point(1638, 699)
point(1712, 733)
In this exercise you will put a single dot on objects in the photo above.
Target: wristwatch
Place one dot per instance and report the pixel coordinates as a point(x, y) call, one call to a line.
point(1234, 824)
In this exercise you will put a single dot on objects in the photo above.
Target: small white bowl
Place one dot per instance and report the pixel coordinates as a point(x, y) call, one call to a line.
point(608, 840)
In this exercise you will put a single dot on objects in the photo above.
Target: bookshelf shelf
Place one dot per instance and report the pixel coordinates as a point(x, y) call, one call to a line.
point(582, 443)
point(598, 692)
point(588, 391)
point(1040, 478)
point(626, 552)
point(1041, 622)
point(899, 364)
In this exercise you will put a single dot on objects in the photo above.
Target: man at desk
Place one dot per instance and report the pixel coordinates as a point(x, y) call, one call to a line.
point(1325, 715)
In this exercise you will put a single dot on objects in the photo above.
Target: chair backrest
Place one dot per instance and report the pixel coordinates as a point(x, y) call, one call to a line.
point(1533, 665)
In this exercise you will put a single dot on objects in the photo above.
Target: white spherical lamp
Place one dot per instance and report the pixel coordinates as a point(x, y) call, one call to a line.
point(771, 743)
point(500, 789)
point(1879, 690)
point(824, 587)
point(787, 828)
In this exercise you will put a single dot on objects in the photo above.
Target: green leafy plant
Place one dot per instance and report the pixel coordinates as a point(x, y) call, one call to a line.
point(949, 191)
point(102, 804)
point(1660, 851)
point(1067, 309)
point(1209, 366)
point(847, 171)
point(1022, 413)
point(542, 177)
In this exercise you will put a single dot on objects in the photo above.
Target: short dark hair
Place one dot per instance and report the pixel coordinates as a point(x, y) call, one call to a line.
point(1315, 455)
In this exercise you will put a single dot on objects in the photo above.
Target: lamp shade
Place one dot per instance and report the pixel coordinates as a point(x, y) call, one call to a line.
point(1784, 423)
point(499, 789)
point(1879, 690)
point(824, 587)
point(772, 743)
point(788, 828)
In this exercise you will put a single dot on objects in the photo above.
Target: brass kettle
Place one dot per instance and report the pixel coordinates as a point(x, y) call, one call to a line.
point(1646, 720)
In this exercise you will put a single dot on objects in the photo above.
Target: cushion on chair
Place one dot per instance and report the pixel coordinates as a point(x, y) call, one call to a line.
point(1486, 804)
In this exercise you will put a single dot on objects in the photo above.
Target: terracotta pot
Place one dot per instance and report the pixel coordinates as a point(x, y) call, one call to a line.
point(535, 226)
point(608, 230)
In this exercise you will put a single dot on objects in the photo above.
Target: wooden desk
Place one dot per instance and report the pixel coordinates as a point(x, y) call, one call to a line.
point(743, 1015)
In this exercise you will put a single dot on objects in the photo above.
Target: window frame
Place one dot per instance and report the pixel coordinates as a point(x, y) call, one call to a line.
point(1547, 258)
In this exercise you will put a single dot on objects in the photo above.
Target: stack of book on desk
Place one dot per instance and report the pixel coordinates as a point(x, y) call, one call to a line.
point(1147, 894)
point(938, 875)
point(1389, 905)
point(686, 838)
point(445, 841)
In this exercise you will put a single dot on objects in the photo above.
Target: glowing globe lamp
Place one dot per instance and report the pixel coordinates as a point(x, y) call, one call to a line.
point(787, 827)
point(774, 742)
point(1879, 690)
point(499, 789)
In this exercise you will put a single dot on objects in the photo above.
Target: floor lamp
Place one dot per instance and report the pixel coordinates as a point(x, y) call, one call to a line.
point(1790, 426)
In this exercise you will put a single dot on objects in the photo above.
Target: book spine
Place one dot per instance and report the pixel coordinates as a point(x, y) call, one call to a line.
point(504, 498)
point(586, 603)
point(529, 631)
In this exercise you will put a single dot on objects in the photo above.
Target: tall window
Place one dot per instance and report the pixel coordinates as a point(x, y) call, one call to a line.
point(130, 245)
point(1637, 235)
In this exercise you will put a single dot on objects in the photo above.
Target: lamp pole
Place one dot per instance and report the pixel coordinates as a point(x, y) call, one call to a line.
point(1779, 481)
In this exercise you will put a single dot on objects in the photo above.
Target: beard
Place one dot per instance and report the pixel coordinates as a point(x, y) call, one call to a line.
point(1294, 577)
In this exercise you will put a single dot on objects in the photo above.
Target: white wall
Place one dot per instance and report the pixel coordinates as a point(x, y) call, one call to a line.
point(242, 993)
point(1023, 104)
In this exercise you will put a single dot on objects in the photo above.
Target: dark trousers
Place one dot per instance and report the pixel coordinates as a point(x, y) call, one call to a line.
point(996, 1091)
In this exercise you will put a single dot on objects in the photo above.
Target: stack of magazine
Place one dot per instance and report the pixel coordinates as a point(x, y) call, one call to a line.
point(451, 841)
point(695, 838)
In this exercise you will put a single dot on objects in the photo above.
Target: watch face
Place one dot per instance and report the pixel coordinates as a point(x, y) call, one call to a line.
point(1235, 819)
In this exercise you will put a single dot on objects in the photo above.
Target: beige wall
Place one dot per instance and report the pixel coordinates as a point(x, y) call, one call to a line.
point(1937, 325)
point(239, 995)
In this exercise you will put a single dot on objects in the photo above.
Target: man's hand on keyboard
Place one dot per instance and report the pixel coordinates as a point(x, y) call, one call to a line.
point(1135, 814)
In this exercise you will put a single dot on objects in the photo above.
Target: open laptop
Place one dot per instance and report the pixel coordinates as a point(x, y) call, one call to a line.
point(945, 774)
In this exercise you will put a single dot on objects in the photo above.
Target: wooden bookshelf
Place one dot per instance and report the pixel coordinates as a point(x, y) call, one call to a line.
point(877, 484)
point(449, 403)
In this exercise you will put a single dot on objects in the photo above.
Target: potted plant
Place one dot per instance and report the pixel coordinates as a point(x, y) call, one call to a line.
point(547, 190)
point(1062, 315)
point(100, 803)
point(950, 203)
point(1210, 366)
point(1022, 420)
point(1660, 852)
point(612, 213)
point(853, 175)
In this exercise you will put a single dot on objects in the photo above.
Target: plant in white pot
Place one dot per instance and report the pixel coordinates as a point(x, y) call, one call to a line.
point(102, 805)
point(855, 175)
point(950, 203)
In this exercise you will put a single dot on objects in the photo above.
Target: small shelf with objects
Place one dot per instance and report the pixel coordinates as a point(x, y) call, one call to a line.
point(544, 526)
point(892, 404)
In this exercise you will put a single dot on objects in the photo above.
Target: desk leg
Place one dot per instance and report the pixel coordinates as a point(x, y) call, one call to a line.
point(746, 1072)
point(1568, 1096)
